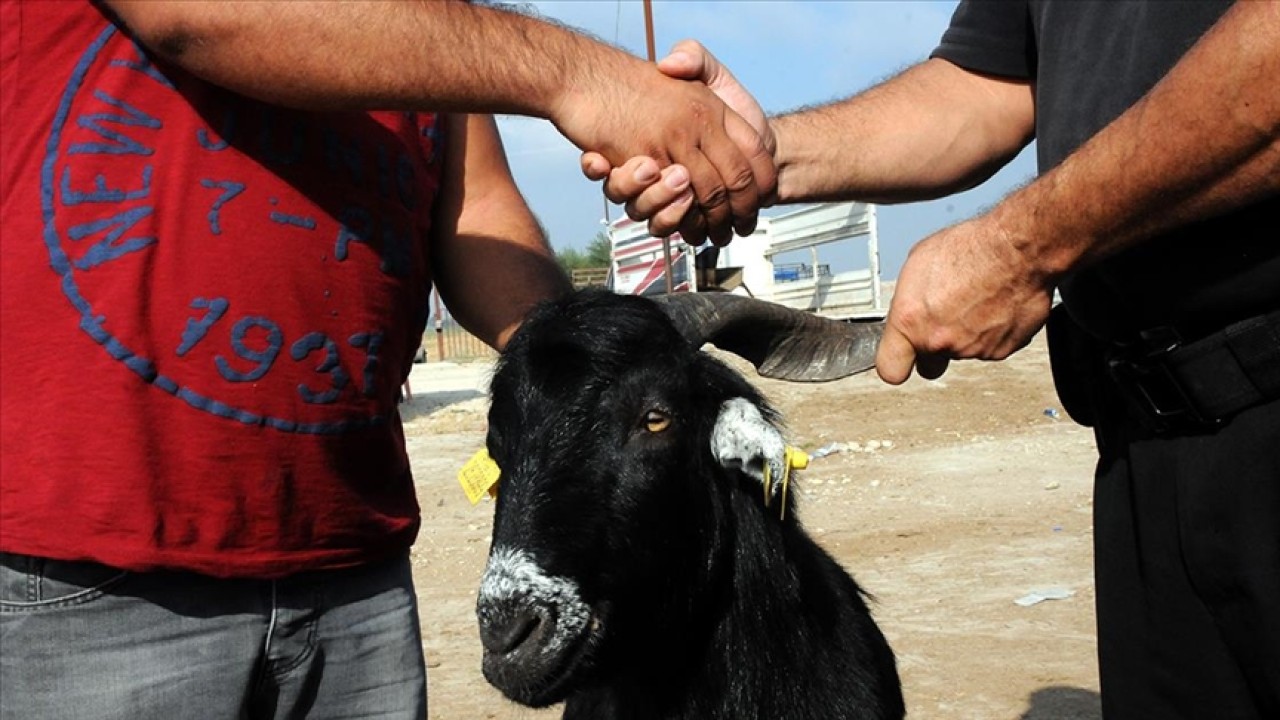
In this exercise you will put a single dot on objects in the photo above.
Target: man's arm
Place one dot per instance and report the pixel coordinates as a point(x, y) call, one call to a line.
point(933, 130)
point(1203, 141)
point(489, 258)
point(455, 56)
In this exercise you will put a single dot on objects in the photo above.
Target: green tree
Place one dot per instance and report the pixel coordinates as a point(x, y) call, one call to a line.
point(571, 259)
point(599, 250)
point(597, 254)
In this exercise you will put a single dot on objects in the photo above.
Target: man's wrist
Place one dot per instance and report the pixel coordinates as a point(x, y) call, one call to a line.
point(787, 160)
point(1046, 240)
point(586, 84)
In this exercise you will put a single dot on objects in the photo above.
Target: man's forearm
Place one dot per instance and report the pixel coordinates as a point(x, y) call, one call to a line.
point(931, 131)
point(490, 259)
point(442, 56)
point(1204, 141)
point(431, 55)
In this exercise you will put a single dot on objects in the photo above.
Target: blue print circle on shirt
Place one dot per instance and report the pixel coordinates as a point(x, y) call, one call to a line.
point(312, 347)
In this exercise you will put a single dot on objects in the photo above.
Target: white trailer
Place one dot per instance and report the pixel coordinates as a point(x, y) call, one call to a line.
point(757, 265)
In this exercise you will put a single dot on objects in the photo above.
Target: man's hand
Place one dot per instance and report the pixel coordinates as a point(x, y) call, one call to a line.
point(965, 292)
point(667, 204)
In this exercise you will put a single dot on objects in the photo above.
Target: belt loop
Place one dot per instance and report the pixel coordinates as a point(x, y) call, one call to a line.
point(1255, 343)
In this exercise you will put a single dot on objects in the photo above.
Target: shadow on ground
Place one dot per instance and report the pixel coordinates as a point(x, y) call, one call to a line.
point(1064, 703)
point(429, 402)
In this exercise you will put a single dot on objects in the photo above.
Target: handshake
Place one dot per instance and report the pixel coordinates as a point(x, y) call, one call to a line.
point(719, 158)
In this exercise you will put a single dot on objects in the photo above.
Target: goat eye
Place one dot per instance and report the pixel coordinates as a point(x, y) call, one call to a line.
point(656, 421)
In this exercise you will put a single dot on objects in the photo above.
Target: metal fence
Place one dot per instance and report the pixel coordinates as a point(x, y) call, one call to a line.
point(451, 342)
point(445, 339)
point(589, 277)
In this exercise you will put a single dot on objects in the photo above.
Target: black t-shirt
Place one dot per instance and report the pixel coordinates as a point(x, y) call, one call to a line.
point(1089, 61)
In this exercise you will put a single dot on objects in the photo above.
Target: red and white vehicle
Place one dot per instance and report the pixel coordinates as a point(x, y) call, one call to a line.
point(770, 264)
point(637, 266)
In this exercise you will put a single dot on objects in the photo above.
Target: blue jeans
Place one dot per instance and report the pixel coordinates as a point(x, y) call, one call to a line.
point(82, 640)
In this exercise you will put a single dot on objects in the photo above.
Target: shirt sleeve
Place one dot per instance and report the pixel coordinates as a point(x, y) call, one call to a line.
point(992, 37)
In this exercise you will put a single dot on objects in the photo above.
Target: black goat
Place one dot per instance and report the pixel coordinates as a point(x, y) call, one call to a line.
point(635, 570)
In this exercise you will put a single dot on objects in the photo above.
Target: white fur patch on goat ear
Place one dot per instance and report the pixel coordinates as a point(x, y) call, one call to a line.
point(743, 439)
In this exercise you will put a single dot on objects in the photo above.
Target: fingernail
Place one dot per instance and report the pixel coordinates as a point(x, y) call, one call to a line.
point(646, 173)
point(678, 179)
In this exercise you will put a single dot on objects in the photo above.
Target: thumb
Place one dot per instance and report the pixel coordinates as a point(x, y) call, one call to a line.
point(895, 357)
point(689, 60)
point(595, 166)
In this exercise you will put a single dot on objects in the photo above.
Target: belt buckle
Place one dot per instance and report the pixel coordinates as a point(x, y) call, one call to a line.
point(1145, 376)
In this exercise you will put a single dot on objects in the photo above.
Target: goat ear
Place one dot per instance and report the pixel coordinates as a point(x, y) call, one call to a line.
point(781, 342)
point(744, 439)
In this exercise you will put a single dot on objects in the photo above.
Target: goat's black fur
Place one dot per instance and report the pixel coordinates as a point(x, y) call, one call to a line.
point(704, 603)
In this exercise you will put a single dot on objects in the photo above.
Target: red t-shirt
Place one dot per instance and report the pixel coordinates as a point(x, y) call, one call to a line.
point(209, 304)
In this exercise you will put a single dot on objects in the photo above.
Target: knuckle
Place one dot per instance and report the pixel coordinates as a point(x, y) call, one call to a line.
point(906, 317)
point(657, 228)
point(665, 221)
point(693, 230)
point(938, 340)
point(615, 197)
point(714, 198)
point(741, 180)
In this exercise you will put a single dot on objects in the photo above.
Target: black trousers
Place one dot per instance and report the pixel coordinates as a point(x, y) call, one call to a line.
point(1187, 563)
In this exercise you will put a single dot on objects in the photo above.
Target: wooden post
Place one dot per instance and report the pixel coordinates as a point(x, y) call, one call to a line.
point(648, 30)
point(648, 41)
point(439, 324)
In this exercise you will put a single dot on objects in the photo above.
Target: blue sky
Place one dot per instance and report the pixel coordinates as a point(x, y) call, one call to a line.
point(789, 54)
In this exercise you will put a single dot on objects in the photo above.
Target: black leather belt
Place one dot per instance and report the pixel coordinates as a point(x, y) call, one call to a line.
point(1199, 385)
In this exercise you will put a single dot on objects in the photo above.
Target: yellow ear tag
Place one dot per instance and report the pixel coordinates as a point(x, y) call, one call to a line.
point(796, 459)
point(479, 476)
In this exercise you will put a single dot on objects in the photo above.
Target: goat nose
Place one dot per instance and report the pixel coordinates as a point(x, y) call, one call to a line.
point(503, 629)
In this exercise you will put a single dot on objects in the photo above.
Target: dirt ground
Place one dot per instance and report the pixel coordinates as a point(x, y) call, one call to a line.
point(948, 500)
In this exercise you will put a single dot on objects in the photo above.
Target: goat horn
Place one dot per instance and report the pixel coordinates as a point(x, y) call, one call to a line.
point(781, 342)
